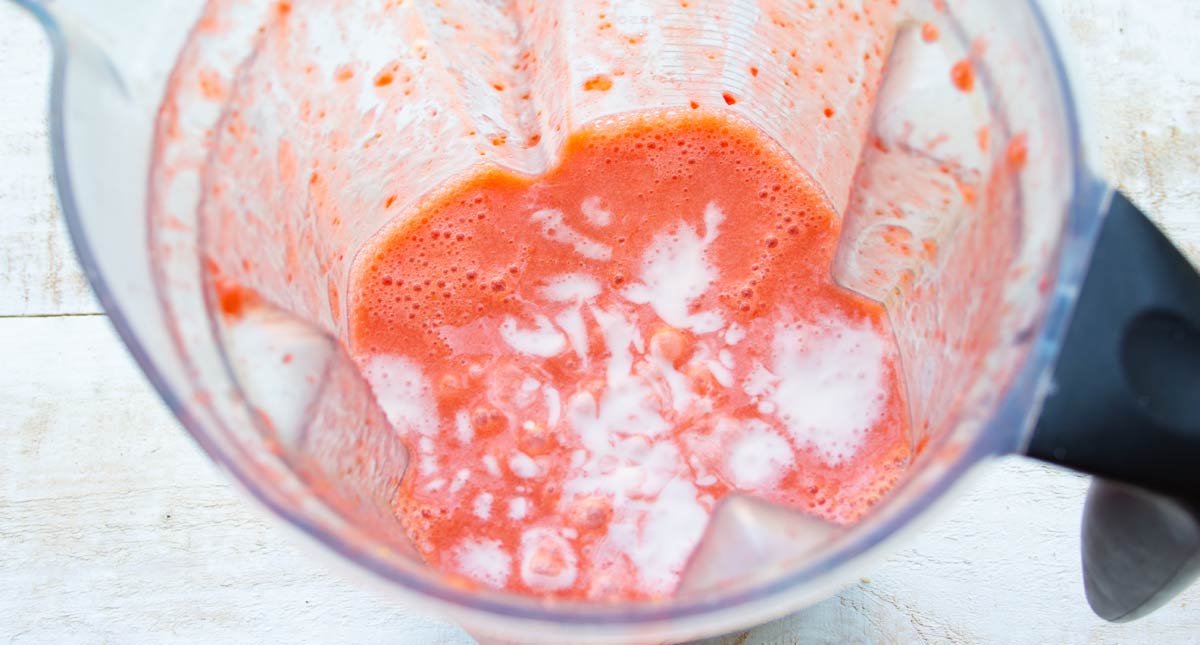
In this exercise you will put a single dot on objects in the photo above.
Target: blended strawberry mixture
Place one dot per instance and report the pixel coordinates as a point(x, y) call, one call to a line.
point(584, 363)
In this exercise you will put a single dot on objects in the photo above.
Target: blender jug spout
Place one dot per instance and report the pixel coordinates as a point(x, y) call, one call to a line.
point(105, 45)
point(64, 20)
point(61, 22)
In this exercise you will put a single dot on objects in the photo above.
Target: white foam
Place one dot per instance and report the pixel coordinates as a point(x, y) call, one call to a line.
point(759, 457)
point(734, 334)
point(659, 536)
point(518, 508)
point(571, 322)
point(830, 384)
point(523, 466)
point(427, 463)
point(548, 562)
point(720, 372)
point(629, 459)
point(542, 340)
point(701, 475)
point(759, 381)
point(491, 465)
point(553, 406)
point(403, 393)
point(555, 229)
point(427, 466)
point(571, 287)
point(621, 336)
point(462, 426)
point(484, 561)
point(628, 456)
point(578, 457)
point(676, 271)
point(594, 213)
point(482, 506)
point(460, 480)
point(625, 408)
point(726, 358)
point(681, 391)
point(435, 485)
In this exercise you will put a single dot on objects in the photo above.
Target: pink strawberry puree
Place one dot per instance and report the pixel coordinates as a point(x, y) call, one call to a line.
point(609, 323)
point(585, 362)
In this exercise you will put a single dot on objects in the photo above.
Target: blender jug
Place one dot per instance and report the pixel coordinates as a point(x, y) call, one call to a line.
point(220, 163)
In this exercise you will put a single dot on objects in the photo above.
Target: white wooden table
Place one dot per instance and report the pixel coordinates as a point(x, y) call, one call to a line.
point(114, 527)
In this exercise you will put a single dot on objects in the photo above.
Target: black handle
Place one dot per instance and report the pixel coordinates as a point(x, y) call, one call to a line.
point(1126, 407)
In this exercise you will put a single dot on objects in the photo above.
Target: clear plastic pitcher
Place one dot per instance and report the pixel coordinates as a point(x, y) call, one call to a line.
point(262, 143)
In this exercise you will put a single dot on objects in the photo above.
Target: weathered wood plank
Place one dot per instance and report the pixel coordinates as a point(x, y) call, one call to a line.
point(38, 272)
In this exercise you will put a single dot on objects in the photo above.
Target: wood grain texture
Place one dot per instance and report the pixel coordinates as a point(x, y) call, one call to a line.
point(1138, 65)
point(114, 527)
point(38, 272)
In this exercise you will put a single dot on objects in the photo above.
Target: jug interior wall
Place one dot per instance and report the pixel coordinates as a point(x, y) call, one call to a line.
point(341, 118)
point(294, 132)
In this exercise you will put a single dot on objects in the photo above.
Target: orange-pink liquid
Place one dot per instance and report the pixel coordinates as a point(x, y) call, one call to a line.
point(584, 363)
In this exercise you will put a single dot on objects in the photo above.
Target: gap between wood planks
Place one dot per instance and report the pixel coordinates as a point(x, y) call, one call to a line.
point(95, 314)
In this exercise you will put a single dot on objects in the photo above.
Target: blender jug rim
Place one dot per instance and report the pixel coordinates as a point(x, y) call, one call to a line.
point(1005, 431)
